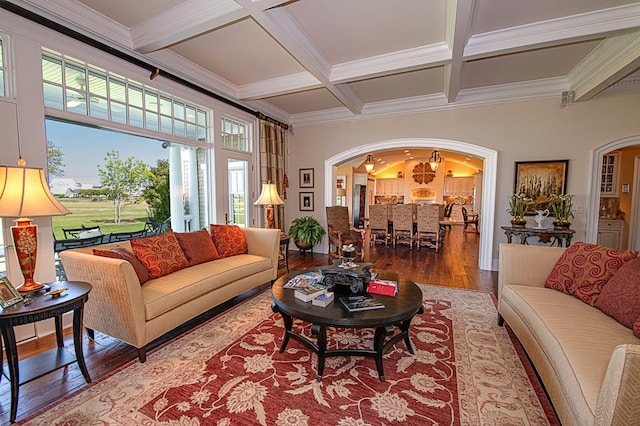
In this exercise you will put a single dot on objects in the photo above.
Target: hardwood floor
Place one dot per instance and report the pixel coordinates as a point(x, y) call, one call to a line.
point(454, 266)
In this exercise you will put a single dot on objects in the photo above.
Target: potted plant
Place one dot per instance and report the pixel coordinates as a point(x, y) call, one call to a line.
point(306, 232)
point(518, 205)
point(562, 207)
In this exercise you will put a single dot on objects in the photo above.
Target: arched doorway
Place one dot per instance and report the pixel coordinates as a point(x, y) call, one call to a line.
point(489, 176)
point(593, 202)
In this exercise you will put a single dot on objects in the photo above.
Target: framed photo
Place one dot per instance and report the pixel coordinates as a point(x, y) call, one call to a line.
point(306, 201)
point(539, 180)
point(8, 295)
point(306, 178)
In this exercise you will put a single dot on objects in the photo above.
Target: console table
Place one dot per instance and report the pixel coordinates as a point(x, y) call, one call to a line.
point(559, 236)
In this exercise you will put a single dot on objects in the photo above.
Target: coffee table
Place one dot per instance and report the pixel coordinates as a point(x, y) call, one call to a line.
point(391, 323)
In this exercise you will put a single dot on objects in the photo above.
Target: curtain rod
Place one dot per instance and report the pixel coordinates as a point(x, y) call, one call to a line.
point(155, 71)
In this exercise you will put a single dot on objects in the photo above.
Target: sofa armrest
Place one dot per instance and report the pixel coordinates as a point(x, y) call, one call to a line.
point(264, 242)
point(618, 398)
point(526, 265)
point(115, 306)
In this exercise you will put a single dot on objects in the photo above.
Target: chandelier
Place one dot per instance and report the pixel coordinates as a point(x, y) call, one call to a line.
point(435, 160)
point(369, 163)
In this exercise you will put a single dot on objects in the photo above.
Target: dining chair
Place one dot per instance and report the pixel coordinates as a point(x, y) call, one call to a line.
point(340, 231)
point(403, 224)
point(470, 220)
point(428, 227)
point(378, 223)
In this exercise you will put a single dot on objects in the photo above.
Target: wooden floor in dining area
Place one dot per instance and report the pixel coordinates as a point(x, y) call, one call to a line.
point(455, 265)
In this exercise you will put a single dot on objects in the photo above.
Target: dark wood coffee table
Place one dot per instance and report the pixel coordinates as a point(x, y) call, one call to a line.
point(391, 323)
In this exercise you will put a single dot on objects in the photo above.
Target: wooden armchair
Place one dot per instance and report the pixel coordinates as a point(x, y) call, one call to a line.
point(470, 220)
point(340, 231)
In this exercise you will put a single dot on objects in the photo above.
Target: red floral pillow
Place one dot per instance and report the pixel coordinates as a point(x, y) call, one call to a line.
point(229, 240)
point(118, 252)
point(620, 297)
point(636, 328)
point(584, 268)
point(197, 246)
point(161, 254)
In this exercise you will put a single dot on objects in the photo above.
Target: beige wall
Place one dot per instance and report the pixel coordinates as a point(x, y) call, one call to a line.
point(535, 130)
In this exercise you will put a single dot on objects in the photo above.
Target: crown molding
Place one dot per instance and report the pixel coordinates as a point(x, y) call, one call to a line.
point(571, 28)
point(279, 86)
point(629, 83)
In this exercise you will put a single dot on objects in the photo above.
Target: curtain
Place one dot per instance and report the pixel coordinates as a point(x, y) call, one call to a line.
point(272, 162)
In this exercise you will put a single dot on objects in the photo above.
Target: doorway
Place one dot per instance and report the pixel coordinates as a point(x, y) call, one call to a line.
point(489, 156)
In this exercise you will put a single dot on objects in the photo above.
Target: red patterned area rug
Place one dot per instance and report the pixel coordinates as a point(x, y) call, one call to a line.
point(465, 371)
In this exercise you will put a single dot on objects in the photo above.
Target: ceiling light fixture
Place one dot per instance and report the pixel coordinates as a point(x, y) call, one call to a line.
point(435, 160)
point(369, 163)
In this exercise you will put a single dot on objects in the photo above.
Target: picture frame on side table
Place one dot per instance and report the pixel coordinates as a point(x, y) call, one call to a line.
point(307, 178)
point(306, 201)
point(540, 179)
point(8, 294)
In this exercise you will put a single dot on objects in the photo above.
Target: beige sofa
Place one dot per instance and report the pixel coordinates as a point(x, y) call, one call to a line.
point(137, 314)
point(589, 363)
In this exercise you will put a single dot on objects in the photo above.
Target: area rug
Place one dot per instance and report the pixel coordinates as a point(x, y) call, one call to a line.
point(229, 371)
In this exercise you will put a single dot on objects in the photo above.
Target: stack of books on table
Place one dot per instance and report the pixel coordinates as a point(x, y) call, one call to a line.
point(384, 287)
point(304, 280)
point(323, 300)
point(364, 302)
point(310, 292)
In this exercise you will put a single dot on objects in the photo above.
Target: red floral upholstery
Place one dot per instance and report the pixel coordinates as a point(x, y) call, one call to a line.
point(161, 254)
point(636, 328)
point(229, 240)
point(584, 268)
point(620, 297)
point(197, 246)
point(118, 252)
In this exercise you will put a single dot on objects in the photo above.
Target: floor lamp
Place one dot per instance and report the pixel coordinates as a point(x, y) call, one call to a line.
point(269, 197)
point(24, 193)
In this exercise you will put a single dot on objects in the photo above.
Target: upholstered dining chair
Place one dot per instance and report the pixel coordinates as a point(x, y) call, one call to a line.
point(378, 224)
point(428, 224)
point(403, 224)
point(340, 231)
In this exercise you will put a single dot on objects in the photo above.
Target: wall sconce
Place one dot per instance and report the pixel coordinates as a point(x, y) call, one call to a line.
point(435, 160)
point(369, 163)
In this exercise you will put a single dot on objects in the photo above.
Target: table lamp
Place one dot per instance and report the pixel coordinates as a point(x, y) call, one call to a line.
point(268, 197)
point(24, 192)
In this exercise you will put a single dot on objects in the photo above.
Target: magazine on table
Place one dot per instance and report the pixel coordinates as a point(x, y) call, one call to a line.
point(364, 302)
point(304, 280)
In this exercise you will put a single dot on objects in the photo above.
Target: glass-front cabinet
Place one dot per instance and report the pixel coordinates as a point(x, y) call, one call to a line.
point(609, 175)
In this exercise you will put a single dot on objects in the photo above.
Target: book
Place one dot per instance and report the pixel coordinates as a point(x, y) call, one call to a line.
point(364, 302)
point(323, 300)
point(384, 287)
point(304, 280)
point(310, 292)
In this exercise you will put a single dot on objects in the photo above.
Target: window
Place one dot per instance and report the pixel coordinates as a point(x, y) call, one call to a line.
point(235, 135)
point(3, 69)
point(74, 86)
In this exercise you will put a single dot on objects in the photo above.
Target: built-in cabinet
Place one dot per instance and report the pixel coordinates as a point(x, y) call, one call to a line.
point(609, 175)
point(610, 233)
point(462, 186)
point(390, 186)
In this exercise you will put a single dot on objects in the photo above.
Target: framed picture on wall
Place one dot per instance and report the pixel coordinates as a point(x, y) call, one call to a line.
point(539, 180)
point(306, 201)
point(8, 294)
point(306, 178)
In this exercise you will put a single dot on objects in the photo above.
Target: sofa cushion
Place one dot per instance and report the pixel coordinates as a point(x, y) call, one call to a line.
point(229, 240)
point(166, 293)
point(197, 246)
point(161, 254)
point(583, 269)
point(636, 327)
point(620, 297)
point(118, 252)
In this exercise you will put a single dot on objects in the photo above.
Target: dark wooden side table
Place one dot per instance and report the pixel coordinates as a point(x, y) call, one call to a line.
point(545, 235)
point(284, 248)
point(40, 308)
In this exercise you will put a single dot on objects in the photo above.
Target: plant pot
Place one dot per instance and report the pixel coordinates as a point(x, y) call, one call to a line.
point(561, 223)
point(518, 221)
point(304, 246)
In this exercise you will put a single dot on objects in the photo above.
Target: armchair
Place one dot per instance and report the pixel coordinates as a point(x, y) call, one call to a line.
point(340, 231)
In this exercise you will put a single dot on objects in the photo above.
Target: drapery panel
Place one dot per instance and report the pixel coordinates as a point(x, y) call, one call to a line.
point(273, 162)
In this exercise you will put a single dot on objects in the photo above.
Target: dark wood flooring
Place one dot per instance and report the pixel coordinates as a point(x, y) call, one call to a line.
point(454, 266)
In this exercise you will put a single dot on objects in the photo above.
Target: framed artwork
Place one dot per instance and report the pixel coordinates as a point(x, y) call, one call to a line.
point(306, 178)
point(306, 201)
point(539, 180)
point(8, 295)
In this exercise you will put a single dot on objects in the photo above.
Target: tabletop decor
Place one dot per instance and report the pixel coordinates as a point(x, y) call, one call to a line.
point(562, 207)
point(8, 294)
point(518, 205)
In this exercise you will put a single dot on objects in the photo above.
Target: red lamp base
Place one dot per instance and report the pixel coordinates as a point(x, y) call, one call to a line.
point(25, 240)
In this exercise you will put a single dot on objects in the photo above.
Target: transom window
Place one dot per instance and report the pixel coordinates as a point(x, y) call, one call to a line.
point(74, 86)
point(3, 67)
point(235, 135)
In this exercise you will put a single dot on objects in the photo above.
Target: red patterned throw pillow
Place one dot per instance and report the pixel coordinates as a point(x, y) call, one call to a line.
point(636, 328)
point(584, 268)
point(161, 254)
point(197, 246)
point(118, 252)
point(620, 297)
point(229, 240)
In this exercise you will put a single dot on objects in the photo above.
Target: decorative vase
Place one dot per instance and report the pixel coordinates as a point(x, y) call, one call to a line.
point(561, 223)
point(518, 221)
point(25, 240)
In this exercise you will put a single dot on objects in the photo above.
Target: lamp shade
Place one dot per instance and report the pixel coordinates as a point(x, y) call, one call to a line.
point(24, 192)
point(269, 196)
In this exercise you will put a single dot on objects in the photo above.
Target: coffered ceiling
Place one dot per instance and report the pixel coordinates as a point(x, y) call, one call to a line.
point(310, 61)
